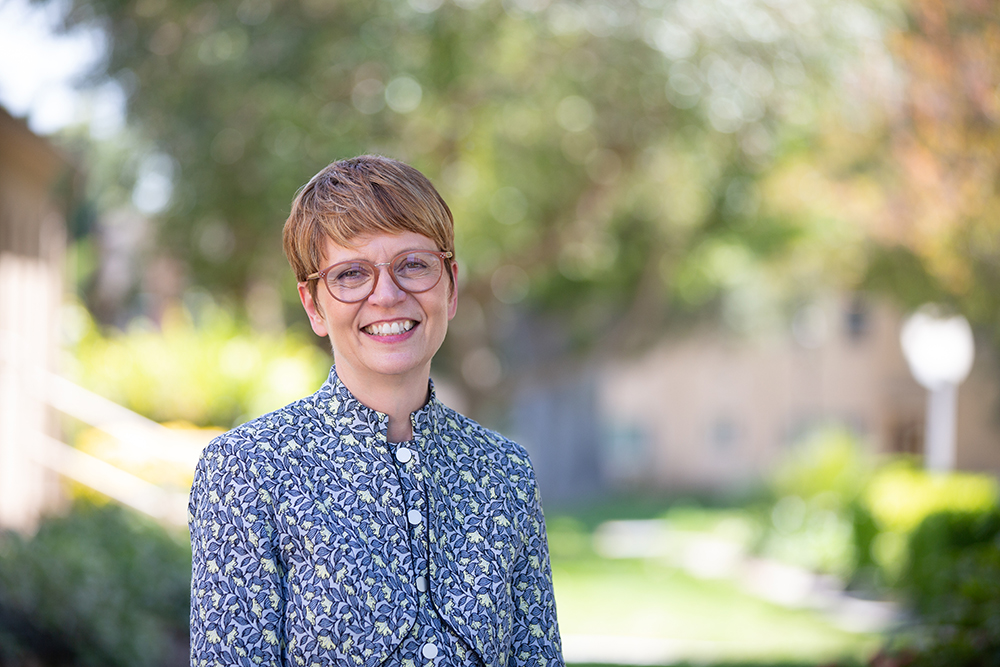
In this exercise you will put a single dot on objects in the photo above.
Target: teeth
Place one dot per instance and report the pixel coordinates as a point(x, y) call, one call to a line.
point(390, 328)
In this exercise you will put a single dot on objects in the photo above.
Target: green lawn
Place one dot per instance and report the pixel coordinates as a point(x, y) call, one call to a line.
point(620, 606)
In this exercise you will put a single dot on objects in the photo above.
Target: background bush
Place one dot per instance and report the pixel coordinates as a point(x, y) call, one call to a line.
point(100, 586)
point(201, 365)
point(812, 502)
point(952, 579)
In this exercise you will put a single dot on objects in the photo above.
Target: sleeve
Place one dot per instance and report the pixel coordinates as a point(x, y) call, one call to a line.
point(237, 601)
point(536, 630)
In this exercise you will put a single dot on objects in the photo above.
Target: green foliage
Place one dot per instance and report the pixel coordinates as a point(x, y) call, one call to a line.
point(835, 510)
point(816, 488)
point(900, 497)
point(947, 248)
point(216, 371)
point(815, 534)
point(898, 271)
point(829, 461)
point(98, 587)
point(930, 540)
point(595, 154)
point(952, 578)
point(947, 544)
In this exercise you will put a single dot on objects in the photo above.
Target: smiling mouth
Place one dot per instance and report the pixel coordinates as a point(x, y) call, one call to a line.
point(389, 328)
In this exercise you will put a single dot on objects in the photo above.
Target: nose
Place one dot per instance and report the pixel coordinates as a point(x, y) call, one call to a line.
point(386, 292)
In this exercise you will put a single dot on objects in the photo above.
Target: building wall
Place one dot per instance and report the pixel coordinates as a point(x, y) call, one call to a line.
point(32, 242)
point(709, 411)
point(979, 415)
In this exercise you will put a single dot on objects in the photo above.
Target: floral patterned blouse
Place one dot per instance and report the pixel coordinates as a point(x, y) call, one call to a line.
point(317, 542)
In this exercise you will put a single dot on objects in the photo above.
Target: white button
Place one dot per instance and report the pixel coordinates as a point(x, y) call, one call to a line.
point(429, 650)
point(404, 454)
point(422, 584)
point(413, 516)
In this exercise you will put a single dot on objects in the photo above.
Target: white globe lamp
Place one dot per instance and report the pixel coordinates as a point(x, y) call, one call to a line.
point(939, 351)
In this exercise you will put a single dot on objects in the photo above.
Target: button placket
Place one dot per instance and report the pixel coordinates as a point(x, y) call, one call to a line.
point(408, 459)
point(427, 647)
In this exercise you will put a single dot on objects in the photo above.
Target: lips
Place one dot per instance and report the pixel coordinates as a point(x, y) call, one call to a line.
point(389, 328)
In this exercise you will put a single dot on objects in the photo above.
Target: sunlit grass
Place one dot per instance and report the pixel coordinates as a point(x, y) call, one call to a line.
point(708, 619)
point(703, 621)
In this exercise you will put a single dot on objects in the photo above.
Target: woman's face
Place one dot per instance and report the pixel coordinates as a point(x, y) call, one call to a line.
point(364, 347)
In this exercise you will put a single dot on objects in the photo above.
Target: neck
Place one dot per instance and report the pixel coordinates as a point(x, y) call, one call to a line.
point(396, 396)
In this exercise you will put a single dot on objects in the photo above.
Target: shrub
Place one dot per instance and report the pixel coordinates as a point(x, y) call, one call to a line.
point(215, 371)
point(901, 496)
point(815, 492)
point(100, 586)
point(952, 579)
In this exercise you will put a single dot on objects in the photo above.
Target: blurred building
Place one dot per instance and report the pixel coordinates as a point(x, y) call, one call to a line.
point(709, 412)
point(712, 411)
point(33, 187)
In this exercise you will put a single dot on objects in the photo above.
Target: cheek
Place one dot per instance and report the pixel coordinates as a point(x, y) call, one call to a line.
point(332, 319)
point(337, 323)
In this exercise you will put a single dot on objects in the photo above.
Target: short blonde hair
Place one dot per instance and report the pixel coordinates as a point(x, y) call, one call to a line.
point(368, 194)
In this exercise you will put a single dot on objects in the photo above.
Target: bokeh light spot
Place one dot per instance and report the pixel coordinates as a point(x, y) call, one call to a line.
point(510, 284)
point(403, 94)
point(368, 96)
point(508, 205)
point(575, 114)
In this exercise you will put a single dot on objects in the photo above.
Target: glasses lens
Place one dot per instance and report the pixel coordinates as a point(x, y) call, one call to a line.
point(350, 281)
point(417, 271)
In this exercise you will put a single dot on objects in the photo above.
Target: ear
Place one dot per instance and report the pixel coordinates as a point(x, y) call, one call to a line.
point(453, 297)
point(316, 319)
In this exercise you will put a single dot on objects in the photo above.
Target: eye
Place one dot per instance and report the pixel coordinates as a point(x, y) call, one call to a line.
point(350, 273)
point(414, 264)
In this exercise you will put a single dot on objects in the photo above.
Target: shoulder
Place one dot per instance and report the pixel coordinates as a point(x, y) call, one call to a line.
point(483, 443)
point(482, 467)
point(254, 446)
point(301, 415)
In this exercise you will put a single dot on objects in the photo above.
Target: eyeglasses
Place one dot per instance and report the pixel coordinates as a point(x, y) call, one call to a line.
point(414, 272)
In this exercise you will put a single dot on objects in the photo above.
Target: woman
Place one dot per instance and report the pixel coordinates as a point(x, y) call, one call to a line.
point(368, 524)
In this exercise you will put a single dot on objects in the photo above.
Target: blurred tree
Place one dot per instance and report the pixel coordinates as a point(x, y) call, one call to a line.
point(948, 150)
point(605, 160)
point(929, 168)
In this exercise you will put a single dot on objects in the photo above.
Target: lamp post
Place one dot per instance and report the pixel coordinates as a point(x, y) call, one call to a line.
point(939, 351)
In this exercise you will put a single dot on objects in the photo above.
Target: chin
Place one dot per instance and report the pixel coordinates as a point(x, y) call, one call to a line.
point(394, 367)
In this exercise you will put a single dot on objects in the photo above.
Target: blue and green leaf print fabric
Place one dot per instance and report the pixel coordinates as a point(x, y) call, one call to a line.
point(307, 550)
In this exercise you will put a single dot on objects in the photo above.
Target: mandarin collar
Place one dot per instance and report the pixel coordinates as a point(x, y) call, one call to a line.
point(335, 396)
